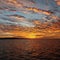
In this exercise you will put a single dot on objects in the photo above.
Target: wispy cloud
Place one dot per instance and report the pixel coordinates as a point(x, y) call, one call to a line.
point(39, 11)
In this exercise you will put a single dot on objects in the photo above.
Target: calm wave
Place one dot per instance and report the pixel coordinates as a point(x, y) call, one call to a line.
point(20, 49)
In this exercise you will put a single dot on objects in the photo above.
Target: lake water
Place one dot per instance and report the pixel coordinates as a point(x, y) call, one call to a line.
point(24, 49)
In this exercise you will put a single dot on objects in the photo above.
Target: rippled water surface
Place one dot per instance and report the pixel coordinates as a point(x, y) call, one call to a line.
point(24, 49)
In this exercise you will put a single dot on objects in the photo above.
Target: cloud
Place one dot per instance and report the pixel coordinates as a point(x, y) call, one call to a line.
point(58, 2)
point(39, 11)
point(27, 18)
point(15, 3)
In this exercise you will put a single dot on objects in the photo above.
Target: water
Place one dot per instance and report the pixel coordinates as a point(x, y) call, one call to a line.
point(24, 49)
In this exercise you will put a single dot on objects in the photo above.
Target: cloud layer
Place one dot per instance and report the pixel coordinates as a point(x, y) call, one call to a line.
point(38, 17)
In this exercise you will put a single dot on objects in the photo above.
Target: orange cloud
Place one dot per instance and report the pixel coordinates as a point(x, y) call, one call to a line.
point(15, 3)
point(58, 2)
point(39, 11)
point(23, 32)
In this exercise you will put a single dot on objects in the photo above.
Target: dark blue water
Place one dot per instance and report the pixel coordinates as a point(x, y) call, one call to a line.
point(24, 49)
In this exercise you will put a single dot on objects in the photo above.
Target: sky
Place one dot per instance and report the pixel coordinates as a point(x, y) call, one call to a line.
point(18, 18)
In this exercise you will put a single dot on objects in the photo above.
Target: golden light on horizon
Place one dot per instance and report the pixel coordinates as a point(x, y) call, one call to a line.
point(24, 34)
point(30, 35)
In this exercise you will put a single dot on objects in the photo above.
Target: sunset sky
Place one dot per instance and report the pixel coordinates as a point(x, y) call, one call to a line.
point(30, 18)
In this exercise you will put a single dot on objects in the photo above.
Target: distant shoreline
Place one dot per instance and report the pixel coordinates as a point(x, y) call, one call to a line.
point(30, 39)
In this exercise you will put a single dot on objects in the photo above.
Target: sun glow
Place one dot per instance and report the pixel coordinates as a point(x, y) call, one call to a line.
point(31, 35)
